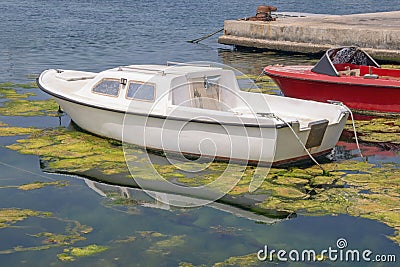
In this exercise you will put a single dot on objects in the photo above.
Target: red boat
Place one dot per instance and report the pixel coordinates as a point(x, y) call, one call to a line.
point(345, 74)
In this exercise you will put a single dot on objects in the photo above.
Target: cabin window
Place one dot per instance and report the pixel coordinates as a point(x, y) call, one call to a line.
point(141, 91)
point(107, 87)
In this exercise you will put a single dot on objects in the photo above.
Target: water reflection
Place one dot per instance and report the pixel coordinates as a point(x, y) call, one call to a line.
point(126, 199)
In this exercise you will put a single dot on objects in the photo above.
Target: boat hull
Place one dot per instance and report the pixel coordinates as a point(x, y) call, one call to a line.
point(355, 92)
point(234, 143)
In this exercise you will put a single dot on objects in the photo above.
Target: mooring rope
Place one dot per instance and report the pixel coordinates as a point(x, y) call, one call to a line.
point(272, 115)
point(354, 130)
point(205, 36)
point(301, 143)
point(26, 171)
point(256, 80)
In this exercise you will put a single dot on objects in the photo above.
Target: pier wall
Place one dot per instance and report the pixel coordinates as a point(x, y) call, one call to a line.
point(378, 33)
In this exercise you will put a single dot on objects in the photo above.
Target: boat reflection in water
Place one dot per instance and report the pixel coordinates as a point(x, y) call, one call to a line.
point(133, 197)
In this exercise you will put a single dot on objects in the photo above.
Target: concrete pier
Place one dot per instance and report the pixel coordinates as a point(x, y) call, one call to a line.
point(377, 33)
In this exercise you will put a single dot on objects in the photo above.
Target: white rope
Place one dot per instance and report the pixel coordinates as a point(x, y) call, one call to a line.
point(298, 139)
point(354, 129)
point(26, 171)
point(255, 80)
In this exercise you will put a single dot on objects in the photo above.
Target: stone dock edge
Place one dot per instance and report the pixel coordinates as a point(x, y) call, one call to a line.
point(377, 33)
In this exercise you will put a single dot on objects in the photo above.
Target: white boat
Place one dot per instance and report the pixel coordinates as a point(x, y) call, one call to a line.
point(195, 110)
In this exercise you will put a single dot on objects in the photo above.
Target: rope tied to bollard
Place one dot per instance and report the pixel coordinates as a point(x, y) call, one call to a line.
point(197, 40)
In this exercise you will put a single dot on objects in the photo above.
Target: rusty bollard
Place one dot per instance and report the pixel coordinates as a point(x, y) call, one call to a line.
point(264, 14)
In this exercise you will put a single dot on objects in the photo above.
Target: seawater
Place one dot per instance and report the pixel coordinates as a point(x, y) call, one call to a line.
point(96, 35)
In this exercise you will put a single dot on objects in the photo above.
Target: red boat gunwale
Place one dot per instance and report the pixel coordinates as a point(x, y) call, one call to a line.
point(385, 76)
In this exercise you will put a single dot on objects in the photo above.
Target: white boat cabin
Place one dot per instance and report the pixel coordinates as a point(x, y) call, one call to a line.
point(184, 91)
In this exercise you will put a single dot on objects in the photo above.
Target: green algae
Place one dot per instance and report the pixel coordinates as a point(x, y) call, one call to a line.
point(73, 151)
point(355, 188)
point(263, 84)
point(66, 256)
point(295, 190)
point(6, 130)
point(159, 243)
point(166, 246)
point(18, 104)
point(352, 187)
point(8, 91)
point(377, 130)
point(59, 239)
point(10, 216)
point(38, 185)
point(128, 239)
point(150, 234)
point(118, 199)
point(390, 66)
point(120, 202)
point(225, 231)
point(23, 107)
point(29, 85)
point(187, 264)
point(88, 250)
point(245, 261)
point(70, 254)
point(73, 231)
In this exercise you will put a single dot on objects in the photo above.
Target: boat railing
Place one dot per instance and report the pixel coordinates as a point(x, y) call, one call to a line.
point(174, 63)
point(141, 69)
